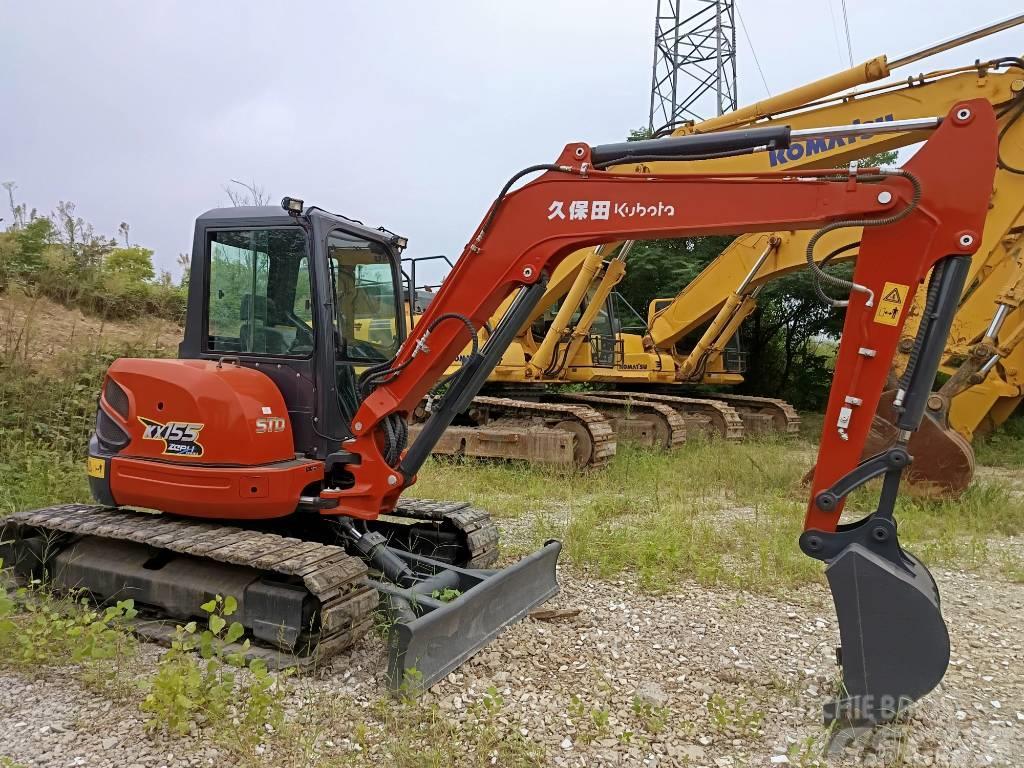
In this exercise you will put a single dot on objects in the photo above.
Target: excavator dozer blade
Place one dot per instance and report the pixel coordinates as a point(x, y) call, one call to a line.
point(943, 459)
point(895, 646)
point(428, 637)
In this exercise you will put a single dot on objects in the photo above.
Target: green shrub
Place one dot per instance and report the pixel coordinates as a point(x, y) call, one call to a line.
point(187, 689)
point(42, 629)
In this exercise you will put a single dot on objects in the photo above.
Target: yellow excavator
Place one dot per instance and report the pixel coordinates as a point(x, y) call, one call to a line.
point(574, 335)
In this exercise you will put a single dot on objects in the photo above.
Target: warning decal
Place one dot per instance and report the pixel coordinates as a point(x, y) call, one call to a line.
point(894, 296)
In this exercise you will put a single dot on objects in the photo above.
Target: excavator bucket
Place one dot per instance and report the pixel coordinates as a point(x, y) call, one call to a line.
point(894, 642)
point(444, 619)
point(943, 459)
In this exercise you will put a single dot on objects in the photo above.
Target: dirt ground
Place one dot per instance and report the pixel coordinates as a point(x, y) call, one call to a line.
point(36, 330)
point(700, 677)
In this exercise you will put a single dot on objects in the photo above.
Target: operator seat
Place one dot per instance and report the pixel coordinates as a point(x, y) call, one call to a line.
point(257, 336)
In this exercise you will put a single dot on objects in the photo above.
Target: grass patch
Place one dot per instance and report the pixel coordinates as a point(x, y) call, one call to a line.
point(720, 513)
point(335, 730)
point(715, 511)
point(32, 475)
point(46, 417)
point(1002, 449)
point(700, 471)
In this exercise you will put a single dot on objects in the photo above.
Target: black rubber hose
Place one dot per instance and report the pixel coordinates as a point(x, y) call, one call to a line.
point(1019, 106)
point(508, 185)
point(672, 158)
point(820, 276)
point(370, 381)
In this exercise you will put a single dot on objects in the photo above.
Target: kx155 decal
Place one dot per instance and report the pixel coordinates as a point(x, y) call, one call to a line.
point(180, 438)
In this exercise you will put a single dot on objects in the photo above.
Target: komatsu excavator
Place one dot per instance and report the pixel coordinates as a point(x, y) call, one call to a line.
point(578, 337)
point(274, 453)
point(945, 459)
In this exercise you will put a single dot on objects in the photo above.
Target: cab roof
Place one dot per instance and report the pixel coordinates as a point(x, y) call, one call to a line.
point(275, 215)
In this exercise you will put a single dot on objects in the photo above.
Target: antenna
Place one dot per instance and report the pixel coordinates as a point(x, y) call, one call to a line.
point(694, 70)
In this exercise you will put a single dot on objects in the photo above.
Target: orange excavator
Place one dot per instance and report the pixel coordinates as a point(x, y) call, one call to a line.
point(274, 450)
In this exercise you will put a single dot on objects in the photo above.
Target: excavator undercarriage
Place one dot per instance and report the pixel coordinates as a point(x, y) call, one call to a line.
point(302, 597)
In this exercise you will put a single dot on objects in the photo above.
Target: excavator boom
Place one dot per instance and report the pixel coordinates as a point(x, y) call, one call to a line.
point(690, 340)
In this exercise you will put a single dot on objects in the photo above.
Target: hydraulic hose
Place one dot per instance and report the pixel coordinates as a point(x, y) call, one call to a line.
point(931, 297)
point(381, 374)
point(394, 428)
point(1017, 104)
point(820, 276)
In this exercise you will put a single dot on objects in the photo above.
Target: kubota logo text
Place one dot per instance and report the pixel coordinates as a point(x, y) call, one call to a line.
point(595, 210)
point(180, 438)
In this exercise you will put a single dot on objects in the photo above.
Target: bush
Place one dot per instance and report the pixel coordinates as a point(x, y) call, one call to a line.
point(63, 259)
point(187, 690)
point(41, 629)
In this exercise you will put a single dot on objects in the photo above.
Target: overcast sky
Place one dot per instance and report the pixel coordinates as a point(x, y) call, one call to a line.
point(409, 115)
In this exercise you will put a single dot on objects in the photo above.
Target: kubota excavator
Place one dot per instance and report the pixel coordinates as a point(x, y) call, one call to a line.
point(275, 451)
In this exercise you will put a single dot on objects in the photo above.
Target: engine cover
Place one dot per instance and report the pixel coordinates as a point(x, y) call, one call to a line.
point(198, 412)
point(196, 438)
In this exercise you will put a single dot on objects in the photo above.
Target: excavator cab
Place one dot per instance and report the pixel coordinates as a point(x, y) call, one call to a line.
point(274, 305)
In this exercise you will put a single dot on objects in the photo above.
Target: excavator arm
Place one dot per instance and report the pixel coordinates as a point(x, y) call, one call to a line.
point(930, 215)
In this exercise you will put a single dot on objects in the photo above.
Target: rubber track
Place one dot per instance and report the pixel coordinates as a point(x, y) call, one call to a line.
point(733, 423)
point(334, 577)
point(676, 424)
point(480, 531)
point(787, 411)
point(601, 432)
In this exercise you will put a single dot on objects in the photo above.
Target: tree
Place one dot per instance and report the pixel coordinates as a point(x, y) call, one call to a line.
point(32, 238)
point(662, 268)
point(123, 228)
point(184, 261)
point(134, 263)
point(249, 194)
point(17, 211)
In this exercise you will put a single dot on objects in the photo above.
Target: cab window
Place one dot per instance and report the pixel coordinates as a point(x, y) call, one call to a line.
point(365, 299)
point(259, 295)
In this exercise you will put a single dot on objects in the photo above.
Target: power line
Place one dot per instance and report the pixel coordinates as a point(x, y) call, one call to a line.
point(835, 31)
point(846, 23)
point(757, 61)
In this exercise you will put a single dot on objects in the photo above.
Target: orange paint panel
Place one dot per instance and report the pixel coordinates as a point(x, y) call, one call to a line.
point(200, 412)
point(212, 492)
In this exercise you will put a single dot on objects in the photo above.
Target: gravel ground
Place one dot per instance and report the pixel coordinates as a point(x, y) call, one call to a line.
point(626, 681)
